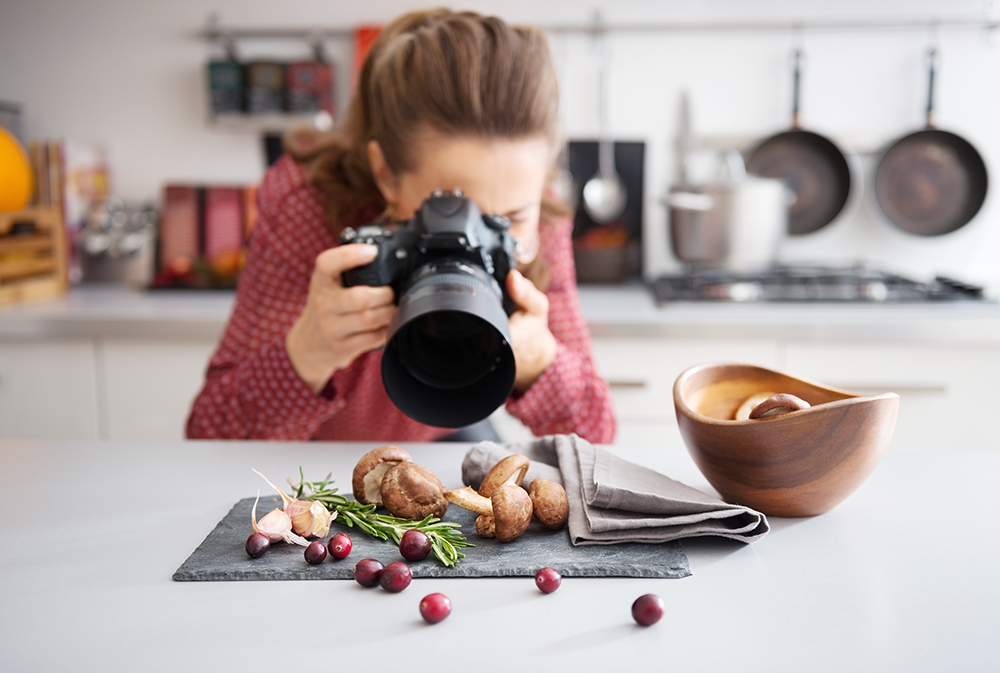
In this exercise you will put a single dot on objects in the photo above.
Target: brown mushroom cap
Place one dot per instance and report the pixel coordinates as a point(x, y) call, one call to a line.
point(509, 470)
point(411, 491)
point(368, 473)
point(549, 502)
point(777, 405)
point(511, 512)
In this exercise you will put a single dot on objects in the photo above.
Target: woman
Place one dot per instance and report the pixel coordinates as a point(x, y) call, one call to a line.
point(445, 101)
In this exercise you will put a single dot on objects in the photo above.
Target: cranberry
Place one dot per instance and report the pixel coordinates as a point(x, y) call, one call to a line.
point(435, 607)
point(395, 577)
point(414, 545)
point(367, 572)
point(548, 580)
point(257, 544)
point(315, 553)
point(647, 609)
point(340, 546)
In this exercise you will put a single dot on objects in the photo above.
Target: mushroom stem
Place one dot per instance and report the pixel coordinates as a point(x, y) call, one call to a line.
point(466, 498)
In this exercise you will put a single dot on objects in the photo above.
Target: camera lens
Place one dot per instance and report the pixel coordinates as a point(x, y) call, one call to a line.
point(448, 361)
point(449, 349)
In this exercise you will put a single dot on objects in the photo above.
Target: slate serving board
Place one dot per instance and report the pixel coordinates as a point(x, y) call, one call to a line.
point(222, 557)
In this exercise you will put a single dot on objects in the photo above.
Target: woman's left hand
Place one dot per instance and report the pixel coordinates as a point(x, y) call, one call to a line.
point(533, 344)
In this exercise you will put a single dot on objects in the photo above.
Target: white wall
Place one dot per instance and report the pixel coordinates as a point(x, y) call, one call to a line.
point(130, 75)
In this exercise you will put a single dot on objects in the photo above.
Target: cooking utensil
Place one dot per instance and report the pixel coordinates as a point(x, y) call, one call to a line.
point(604, 195)
point(801, 463)
point(816, 170)
point(737, 223)
point(930, 182)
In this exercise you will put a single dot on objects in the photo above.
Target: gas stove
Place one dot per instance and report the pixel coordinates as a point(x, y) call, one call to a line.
point(807, 283)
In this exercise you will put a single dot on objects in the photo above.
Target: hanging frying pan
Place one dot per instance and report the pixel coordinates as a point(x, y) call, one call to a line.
point(930, 182)
point(814, 168)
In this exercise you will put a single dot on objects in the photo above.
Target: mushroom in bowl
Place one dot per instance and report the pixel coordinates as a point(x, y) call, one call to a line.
point(818, 448)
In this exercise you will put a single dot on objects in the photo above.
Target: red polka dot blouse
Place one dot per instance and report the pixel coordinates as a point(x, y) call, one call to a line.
point(253, 392)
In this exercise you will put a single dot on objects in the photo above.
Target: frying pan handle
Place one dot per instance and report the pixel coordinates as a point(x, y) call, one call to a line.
point(931, 67)
point(796, 87)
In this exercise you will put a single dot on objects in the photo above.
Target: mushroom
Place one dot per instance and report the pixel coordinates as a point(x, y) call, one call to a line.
point(509, 470)
point(743, 413)
point(412, 491)
point(777, 405)
point(368, 473)
point(505, 515)
point(511, 512)
point(549, 503)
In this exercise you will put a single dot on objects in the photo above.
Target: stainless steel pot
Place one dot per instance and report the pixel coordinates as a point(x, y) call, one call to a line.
point(737, 223)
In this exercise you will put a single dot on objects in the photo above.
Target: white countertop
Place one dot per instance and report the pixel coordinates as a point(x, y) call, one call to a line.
point(610, 310)
point(900, 577)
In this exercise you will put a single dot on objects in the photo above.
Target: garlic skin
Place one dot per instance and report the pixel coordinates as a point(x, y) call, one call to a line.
point(276, 525)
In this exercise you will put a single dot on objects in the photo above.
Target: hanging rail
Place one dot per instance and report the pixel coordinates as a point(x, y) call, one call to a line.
point(215, 31)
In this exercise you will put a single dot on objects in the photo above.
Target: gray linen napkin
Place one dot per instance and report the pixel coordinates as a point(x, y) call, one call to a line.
point(612, 500)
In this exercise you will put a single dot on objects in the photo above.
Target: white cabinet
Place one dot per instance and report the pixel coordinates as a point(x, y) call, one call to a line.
point(641, 373)
point(150, 384)
point(48, 390)
point(100, 388)
point(947, 392)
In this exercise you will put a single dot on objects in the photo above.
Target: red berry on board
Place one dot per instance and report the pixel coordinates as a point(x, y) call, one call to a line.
point(548, 580)
point(340, 546)
point(414, 545)
point(647, 609)
point(257, 544)
point(395, 577)
point(435, 607)
point(315, 553)
point(368, 571)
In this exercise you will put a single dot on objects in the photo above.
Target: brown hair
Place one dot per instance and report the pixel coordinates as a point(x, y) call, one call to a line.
point(458, 73)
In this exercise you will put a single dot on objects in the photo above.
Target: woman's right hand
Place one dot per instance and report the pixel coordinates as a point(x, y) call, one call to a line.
point(338, 323)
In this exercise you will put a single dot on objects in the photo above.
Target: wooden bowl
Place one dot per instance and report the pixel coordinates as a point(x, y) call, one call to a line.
point(800, 463)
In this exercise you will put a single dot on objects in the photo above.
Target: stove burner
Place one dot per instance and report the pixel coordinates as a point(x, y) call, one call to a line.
point(810, 284)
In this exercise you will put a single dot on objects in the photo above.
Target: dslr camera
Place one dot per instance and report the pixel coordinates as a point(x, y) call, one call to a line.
point(448, 360)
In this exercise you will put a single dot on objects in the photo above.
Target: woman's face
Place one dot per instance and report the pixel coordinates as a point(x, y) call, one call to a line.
point(504, 177)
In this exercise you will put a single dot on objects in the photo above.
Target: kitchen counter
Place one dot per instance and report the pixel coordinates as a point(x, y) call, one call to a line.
point(611, 311)
point(899, 577)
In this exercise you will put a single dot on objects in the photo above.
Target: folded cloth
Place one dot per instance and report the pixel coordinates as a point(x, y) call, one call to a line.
point(612, 500)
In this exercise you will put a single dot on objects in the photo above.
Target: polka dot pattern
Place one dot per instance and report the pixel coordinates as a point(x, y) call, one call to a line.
point(252, 391)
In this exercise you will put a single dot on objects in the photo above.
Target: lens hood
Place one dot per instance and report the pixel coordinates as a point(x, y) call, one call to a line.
point(448, 360)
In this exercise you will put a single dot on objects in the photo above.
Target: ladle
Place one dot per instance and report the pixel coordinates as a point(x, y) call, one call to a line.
point(604, 195)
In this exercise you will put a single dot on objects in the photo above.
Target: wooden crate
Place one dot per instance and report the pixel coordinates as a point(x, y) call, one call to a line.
point(32, 263)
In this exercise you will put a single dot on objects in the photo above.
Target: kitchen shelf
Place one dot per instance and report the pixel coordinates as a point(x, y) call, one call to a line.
point(216, 32)
point(262, 123)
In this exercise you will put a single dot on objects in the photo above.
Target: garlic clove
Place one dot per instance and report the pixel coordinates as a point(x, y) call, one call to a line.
point(275, 524)
point(313, 520)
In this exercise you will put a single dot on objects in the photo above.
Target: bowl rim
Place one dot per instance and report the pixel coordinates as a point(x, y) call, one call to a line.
point(681, 405)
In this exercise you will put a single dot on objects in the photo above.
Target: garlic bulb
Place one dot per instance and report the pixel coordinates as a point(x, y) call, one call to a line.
point(276, 525)
point(308, 517)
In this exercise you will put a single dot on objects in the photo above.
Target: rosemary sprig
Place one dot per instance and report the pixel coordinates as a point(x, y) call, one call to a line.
point(445, 537)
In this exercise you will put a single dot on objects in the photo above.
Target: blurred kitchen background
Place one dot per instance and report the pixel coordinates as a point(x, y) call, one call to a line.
point(155, 179)
point(131, 79)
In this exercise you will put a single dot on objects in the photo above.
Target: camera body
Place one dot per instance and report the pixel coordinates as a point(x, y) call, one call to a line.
point(448, 229)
